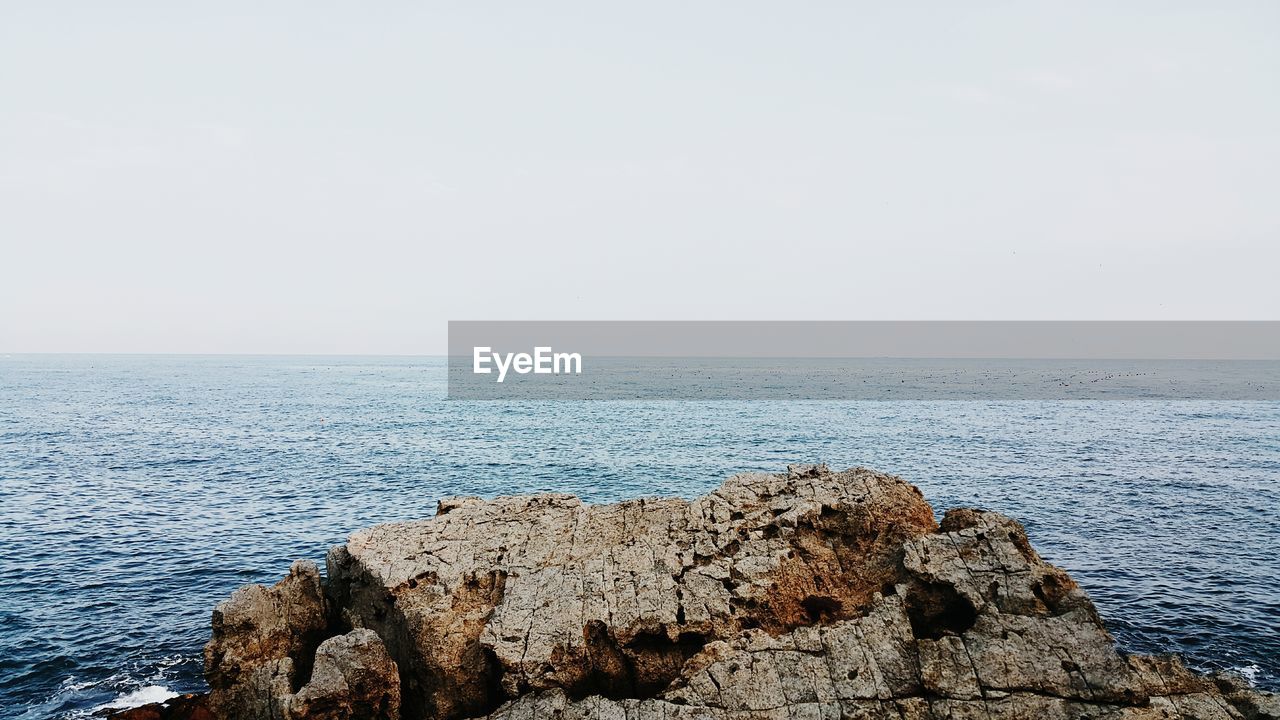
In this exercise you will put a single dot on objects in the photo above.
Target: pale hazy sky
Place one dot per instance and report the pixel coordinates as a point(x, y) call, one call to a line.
point(345, 177)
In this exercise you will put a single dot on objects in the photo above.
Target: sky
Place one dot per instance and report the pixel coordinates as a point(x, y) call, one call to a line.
point(283, 177)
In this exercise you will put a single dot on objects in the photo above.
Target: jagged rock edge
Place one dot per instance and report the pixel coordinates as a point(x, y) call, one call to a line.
point(1242, 701)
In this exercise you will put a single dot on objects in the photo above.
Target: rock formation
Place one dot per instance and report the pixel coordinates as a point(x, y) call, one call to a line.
point(266, 641)
point(809, 594)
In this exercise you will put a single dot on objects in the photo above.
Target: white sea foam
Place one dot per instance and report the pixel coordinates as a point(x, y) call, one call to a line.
point(141, 696)
point(1248, 672)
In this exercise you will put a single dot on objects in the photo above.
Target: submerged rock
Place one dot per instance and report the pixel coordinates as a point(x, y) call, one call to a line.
point(809, 594)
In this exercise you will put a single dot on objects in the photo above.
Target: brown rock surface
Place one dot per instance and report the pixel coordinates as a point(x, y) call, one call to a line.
point(263, 642)
point(809, 594)
point(267, 641)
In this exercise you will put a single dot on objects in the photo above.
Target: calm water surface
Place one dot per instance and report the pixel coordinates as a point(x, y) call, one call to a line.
point(136, 492)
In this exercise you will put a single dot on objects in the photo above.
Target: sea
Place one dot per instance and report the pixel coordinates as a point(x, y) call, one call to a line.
point(138, 491)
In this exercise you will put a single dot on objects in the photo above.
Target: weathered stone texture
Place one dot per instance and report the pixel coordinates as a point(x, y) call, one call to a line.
point(267, 641)
point(805, 595)
point(496, 599)
point(353, 677)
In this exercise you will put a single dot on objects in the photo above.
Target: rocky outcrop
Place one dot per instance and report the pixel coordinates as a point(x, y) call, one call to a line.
point(978, 627)
point(492, 600)
point(809, 594)
point(267, 641)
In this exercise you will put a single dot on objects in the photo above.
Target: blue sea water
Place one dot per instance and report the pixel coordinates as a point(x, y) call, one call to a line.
point(137, 491)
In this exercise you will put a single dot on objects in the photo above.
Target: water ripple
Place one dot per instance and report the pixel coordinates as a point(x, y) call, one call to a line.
point(136, 492)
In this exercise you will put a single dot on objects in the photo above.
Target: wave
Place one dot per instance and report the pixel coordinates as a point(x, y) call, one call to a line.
point(1248, 672)
point(141, 696)
point(141, 683)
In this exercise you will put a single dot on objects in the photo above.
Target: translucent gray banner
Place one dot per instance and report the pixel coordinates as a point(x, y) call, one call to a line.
point(597, 360)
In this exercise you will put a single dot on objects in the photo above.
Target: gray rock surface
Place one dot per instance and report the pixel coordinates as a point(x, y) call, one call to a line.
point(353, 677)
point(808, 594)
point(491, 600)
